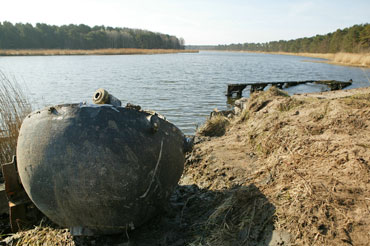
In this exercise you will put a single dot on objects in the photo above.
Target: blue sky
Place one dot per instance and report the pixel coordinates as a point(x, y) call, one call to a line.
point(199, 22)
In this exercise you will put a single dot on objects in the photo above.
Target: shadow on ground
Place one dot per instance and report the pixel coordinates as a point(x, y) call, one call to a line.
point(238, 216)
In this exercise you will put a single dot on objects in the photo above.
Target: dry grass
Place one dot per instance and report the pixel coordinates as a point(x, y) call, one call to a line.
point(328, 56)
point(340, 58)
point(260, 99)
point(123, 51)
point(14, 106)
point(244, 115)
point(289, 104)
point(41, 235)
point(309, 156)
point(214, 127)
point(321, 177)
point(355, 59)
point(241, 218)
point(347, 59)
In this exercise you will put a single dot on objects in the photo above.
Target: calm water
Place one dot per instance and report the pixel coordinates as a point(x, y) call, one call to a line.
point(183, 87)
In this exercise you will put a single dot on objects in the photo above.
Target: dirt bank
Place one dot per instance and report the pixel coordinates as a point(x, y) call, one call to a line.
point(307, 154)
point(286, 171)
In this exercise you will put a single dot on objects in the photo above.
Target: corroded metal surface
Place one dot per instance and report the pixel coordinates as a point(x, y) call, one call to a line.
point(101, 168)
point(102, 96)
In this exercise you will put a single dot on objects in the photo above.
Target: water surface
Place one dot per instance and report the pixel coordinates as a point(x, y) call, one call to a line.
point(183, 87)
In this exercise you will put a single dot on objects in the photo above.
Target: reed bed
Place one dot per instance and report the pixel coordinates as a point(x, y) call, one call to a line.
point(356, 59)
point(14, 106)
point(123, 51)
point(347, 59)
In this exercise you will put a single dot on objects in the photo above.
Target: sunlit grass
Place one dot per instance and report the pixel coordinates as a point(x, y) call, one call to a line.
point(214, 126)
point(350, 59)
point(123, 51)
point(14, 106)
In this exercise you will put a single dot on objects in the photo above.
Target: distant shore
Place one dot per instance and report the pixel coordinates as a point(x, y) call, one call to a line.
point(344, 59)
point(340, 58)
point(62, 52)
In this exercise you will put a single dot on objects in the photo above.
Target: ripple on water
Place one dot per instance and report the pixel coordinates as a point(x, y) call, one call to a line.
point(183, 87)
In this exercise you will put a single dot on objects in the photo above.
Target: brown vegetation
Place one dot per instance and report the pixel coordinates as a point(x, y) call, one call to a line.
point(308, 155)
point(214, 126)
point(346, 59)
point(287, 171)
point(42, 235)
point(13, 108)
point(122, 51)
point(341, 58)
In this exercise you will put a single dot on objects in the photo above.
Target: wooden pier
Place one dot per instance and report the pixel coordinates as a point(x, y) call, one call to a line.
point(260, 86)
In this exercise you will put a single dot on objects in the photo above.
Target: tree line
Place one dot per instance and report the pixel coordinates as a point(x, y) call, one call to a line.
point(355, 39)
point(43, 36)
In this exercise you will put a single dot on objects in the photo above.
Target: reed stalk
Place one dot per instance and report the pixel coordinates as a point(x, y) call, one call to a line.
point(341, 58)
point(14, 107)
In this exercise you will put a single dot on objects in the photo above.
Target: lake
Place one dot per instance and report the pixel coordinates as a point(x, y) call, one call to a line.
point(185, 87)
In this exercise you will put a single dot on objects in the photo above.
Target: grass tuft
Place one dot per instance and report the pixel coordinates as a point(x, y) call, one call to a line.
point(289, 104)
point(244, 116)
point(14, 106)
point(214, 127)
point(42, 235)
point(244, 216)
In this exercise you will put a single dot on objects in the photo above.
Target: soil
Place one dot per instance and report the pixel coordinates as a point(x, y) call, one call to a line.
point(287, 171)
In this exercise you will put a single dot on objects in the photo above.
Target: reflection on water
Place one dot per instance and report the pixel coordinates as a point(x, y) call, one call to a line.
point(183, 87)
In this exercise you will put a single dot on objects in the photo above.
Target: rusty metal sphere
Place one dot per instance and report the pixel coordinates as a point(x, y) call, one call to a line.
point(99, 168)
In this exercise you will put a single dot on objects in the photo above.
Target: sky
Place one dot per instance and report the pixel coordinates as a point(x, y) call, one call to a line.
point(199, 22)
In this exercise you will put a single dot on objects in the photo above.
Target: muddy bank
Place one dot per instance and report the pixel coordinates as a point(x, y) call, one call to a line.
point(283, 171)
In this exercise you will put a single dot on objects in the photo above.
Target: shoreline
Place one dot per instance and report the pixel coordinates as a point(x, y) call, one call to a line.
point(63, 52)
point(288, 170)
point(341, 58)
point(303, 153)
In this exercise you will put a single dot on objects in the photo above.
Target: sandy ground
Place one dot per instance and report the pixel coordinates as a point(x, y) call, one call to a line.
point(287, 171)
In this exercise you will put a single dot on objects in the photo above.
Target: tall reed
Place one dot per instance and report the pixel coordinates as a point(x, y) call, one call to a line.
point(14, 106)
point(341, 58)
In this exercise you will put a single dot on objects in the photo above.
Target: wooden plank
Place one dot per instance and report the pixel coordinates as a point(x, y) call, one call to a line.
point(259, 86)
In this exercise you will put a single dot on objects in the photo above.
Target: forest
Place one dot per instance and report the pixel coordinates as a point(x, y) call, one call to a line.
point(355, 39)
point(43, 36)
